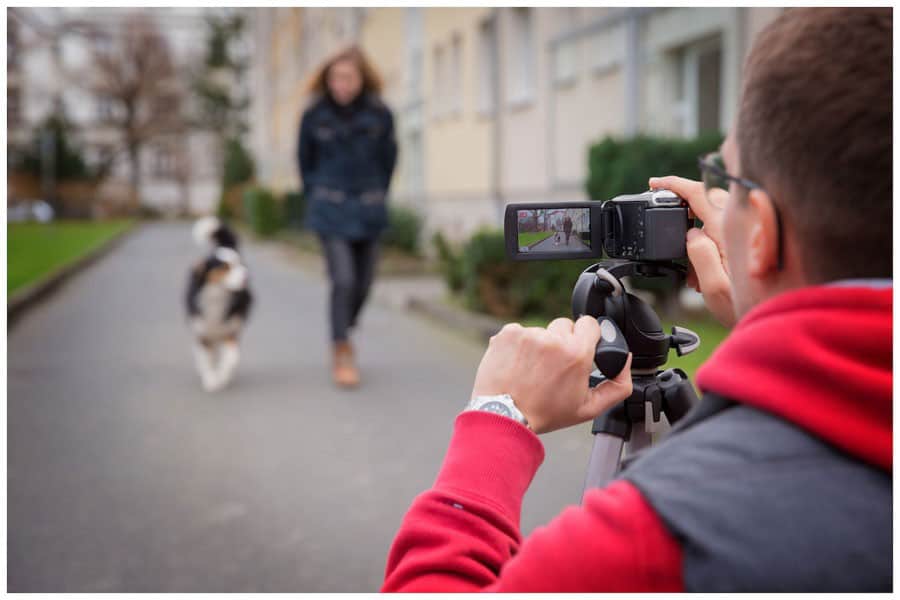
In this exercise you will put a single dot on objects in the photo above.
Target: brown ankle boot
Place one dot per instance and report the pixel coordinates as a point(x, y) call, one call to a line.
point(344, 369)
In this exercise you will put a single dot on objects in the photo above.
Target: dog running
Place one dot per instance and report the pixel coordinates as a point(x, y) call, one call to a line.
point(218, 303)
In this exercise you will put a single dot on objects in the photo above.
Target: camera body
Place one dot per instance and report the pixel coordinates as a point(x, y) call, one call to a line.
point(651, 226)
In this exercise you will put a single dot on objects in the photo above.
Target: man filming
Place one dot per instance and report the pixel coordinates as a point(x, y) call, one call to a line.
point(780, 479)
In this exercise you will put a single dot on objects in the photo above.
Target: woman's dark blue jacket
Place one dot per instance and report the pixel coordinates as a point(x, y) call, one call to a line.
point(347, 155)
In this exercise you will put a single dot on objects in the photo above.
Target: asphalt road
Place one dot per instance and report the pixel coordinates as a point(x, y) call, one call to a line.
point(550, 245)
point(123, 475)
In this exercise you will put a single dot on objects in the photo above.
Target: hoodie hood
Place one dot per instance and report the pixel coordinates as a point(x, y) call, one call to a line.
point(819, 357)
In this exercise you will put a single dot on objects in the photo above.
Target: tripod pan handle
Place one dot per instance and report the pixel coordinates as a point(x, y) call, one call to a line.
point(612, 351)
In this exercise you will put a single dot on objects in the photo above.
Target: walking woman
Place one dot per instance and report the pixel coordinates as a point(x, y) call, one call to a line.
point(347, 153)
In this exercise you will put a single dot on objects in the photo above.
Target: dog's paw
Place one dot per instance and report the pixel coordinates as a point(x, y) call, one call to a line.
point(211, 383)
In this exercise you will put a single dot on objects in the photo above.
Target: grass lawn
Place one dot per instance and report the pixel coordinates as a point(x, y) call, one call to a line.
point(526, 238)
point(710, 332)
point(34, 250)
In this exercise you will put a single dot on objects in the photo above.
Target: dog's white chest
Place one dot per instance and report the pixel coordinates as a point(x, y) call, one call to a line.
point(213, 302)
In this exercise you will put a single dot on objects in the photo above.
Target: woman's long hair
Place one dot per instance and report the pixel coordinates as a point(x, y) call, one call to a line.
point(318, 83)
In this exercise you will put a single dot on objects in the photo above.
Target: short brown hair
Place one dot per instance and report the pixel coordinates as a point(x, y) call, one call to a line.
point(814, 129)
point(318, 83)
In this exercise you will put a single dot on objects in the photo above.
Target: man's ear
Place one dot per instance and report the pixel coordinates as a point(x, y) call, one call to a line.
point(762, 253)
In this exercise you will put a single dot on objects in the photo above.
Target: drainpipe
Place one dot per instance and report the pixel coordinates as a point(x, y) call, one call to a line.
point(497, 123)
point(632, 72)
point(550, 117)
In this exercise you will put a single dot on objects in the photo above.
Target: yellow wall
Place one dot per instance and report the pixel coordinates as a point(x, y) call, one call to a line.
point(382, 38)
point(457, 146)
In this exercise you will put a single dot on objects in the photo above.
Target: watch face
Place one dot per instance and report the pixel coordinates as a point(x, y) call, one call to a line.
point(497, 407)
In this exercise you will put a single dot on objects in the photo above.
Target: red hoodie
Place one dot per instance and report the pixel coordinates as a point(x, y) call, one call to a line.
point(818, 357)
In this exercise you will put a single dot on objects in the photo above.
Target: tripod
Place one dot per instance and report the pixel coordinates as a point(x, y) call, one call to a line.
point(628, 324)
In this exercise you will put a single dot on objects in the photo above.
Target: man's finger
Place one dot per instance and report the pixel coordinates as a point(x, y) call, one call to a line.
point(607, 394)
point(561, 326)
point(707, 262)
point(692, 278)
point(587, 332)
point(690, 190)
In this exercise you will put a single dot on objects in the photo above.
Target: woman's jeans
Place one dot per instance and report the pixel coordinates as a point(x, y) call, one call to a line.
point(351, 266)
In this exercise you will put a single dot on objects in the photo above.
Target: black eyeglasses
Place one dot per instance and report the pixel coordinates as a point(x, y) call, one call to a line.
point(716, 182)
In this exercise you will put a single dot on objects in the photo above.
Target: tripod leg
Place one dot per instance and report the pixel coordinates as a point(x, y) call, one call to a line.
point(604, 464)
point(640, 439)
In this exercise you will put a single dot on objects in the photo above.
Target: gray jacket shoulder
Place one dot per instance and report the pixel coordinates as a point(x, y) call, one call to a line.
point(759, 504)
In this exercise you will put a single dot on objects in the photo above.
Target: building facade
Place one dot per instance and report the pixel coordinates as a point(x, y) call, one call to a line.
point(499, 105)
point(50, 62)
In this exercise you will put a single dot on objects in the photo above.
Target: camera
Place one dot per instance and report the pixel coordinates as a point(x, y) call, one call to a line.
point(651, 226)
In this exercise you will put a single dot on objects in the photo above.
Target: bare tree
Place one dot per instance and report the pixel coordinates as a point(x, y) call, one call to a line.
point(182, 175)
point(136, 73)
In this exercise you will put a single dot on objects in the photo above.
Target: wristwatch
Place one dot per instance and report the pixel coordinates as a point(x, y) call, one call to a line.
point(501, 405)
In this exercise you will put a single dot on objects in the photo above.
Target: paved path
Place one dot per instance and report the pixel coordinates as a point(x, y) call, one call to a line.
point(549, 245)
point(124, 476)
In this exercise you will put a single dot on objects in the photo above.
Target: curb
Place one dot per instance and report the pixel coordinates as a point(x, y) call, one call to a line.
point(23, 300)
point(540, 241)
point(479, 326)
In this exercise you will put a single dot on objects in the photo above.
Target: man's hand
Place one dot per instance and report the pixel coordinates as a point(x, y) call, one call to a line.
point(708, 273)
point(546, 373)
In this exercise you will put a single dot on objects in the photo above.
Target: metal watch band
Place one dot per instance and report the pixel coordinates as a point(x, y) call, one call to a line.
point(502, 404)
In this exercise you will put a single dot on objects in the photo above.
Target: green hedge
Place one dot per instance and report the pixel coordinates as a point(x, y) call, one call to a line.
point(294, 209)
point(262, 211)
point(449, 261)
point(491, 283)
point(623, 166)
point(237, 168)
point(238, 165)
point(404, 229)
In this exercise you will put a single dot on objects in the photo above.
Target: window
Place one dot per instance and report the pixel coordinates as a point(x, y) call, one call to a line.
point(440, 81)
point(448, 77)
point(487, 66)
point(12, 43)
point(414, 54)
point(103, 44)
point(454, 101)
point(13, 107)
point(104, 108)
point(565, 63)
point(699, 87)
point(565, 53)
point(607, 49)
point(521, 76)
point(163, 163)
point(414, 166)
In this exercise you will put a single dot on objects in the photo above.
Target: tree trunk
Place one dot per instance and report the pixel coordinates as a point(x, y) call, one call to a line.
point(134, 162)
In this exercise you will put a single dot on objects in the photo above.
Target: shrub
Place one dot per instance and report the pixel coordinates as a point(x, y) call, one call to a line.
point(238, 165)
point(403, 230)
point(224, 210)
point(617, 166)
point(262, 211)
point(507, 289)
point(68, 160)
point(294, 209)
point(543, 289)
point(449, 261)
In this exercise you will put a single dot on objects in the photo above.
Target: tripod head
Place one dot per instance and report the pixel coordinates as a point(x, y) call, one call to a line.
point(628, 324)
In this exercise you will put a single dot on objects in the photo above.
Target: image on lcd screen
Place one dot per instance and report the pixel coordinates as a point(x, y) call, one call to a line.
point(554, 230)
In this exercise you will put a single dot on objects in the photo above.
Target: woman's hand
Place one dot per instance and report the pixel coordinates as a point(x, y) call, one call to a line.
point(708, 271)
point(546, 372)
